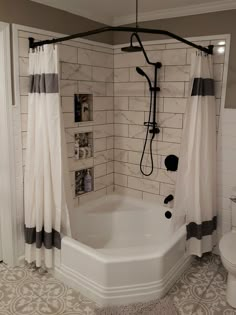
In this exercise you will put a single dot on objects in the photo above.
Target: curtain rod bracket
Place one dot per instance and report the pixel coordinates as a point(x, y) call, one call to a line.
point(31, 42)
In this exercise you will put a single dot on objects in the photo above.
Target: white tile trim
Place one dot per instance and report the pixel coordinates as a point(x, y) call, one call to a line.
point(8, 173)
point(215, 6)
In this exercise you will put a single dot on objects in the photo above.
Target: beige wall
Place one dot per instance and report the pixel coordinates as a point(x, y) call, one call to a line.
point(33, 14)
point(199, 25)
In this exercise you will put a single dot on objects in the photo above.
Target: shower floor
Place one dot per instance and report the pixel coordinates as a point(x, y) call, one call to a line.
point(199, 291)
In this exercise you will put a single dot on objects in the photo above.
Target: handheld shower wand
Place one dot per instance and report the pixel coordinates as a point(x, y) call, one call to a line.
point(153, 95)
point(152, 111)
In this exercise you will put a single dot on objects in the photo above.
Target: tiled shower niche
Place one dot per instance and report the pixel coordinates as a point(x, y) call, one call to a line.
point(83, 148)
point(80, 181)
point(83, 108)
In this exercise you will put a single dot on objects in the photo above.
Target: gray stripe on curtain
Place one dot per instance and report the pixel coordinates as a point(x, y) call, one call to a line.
point(49, 240)
point(203, 87)
point(44, 83)
point(200, 230)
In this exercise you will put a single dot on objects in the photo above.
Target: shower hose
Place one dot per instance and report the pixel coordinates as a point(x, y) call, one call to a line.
point(146, 139)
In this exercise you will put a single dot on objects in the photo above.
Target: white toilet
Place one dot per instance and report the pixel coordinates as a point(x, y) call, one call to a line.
point(227, 248)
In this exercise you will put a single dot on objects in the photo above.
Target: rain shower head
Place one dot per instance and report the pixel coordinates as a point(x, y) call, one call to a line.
point(131, 49)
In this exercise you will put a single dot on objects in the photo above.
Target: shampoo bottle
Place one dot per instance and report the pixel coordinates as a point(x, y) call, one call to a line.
point(88, 182)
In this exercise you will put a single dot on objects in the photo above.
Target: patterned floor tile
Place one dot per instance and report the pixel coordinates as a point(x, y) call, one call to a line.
point(2, 267)
point(201, 290)
point(30, 291)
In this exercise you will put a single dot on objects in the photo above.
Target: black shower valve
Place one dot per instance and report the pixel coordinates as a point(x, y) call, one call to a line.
point(168, 199)
point(158, 65)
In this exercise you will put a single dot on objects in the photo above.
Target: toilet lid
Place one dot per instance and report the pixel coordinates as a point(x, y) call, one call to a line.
point(227, 247)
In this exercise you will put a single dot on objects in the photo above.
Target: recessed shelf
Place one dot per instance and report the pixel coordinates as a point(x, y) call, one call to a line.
point(83, 145)
point(83, 108)
point(80, 185)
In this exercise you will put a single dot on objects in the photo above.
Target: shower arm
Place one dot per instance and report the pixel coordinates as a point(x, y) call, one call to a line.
point(33, 44)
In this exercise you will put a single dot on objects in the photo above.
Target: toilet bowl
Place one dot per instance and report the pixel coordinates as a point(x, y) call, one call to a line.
point(227, 247)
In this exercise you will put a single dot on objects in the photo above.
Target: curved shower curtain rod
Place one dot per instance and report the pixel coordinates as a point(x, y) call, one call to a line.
point(33, 44)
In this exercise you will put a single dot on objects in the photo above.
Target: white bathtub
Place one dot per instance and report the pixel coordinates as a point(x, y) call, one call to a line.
point(124, 251)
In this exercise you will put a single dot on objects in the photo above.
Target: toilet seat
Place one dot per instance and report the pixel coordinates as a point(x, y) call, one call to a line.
point(227, 248)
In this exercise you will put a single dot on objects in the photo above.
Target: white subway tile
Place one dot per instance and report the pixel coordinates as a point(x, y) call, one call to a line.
point(102, 103)
point(172, 135)
point(177, 73)
point(140, 103)
point(175, 105)
point(143, 185)
point(121, 130)
point(121, 103)
point(129, 117)
point(102, 131)
point(84, 56)
point(129, 60)
point(110, 143)
point(100, 144)
point(67, 103)
point(68, 53)
point(102, 74)
point(121, 180)
point(70, 71)
point(174, 57)
point(99, 117)
point(128, 144)
point(129, 89)
point(100, 170)
point(121, 155)
point(68, 87)
point(170, 120)
point(128, 192)
point(110, 116)
point(135, 157)
point(172, 89)
point(121, 75)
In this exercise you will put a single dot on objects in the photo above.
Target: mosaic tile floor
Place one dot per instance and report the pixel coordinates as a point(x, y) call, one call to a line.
point(25, 291)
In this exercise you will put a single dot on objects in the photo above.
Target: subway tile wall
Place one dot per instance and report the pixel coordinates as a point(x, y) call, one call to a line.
point(131, 106)
point(85, 69)
point(120, 107)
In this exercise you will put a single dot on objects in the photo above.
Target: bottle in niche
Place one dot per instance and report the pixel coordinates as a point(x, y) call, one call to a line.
point(84, 109)
point(88, 182)
point(76, 149)
point(77, 108)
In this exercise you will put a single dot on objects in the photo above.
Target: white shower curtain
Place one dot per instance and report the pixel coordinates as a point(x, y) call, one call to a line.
point(195, 195)
point(46, 199)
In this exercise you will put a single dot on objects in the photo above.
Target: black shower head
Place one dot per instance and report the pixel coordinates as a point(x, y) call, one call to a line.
point(140, 71)
point(131, 49)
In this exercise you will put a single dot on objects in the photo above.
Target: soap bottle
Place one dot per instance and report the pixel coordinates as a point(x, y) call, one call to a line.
point(76, 150)
point(88, 182)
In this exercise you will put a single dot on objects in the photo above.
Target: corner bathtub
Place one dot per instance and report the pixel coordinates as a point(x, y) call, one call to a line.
point(124, 251)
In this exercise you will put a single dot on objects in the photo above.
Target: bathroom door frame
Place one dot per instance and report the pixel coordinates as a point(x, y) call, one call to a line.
point(8, 213)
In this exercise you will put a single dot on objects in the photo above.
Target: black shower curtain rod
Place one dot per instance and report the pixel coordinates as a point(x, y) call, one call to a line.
point(33, 44)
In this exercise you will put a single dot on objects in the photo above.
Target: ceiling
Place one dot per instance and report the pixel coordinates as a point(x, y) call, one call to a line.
point(119, 12)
